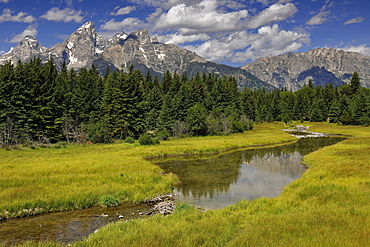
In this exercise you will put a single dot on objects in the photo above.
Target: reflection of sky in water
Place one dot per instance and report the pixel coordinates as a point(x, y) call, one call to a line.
point(261, 177)
point(65, 226)
point(211, 183)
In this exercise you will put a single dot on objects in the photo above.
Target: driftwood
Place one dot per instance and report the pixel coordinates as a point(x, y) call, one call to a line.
point(158, 199)
point(163, 208)
point(164, 205)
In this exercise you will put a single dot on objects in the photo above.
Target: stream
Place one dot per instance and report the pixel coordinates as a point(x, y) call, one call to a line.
point(219, 181)
point(207, 181)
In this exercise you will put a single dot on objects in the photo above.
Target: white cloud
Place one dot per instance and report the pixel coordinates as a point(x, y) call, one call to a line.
point(268, 40)
point(318, 19)
point(206, 17)
point(127, 25)
point(165, 4)
point(2, 52)
point(30, 30)
point(123, 11)
point(20, 17)
point(231, 4)
point(63, 15)
point(274, 13)
point(5, 1)
point(355, 20)
point(200, 18)
point(151, 18)
point(181, 39)
point(363, 49)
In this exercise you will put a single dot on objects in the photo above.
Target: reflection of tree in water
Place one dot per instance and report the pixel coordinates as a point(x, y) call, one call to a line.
point(209, 177)
point(205, 177)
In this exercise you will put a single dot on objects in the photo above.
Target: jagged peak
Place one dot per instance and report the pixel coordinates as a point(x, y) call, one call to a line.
point(29, 38)
point(141, 33)
point(31, 42)
point(88, 25)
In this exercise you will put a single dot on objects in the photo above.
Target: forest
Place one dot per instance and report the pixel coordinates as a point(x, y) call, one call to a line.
point(40, 104)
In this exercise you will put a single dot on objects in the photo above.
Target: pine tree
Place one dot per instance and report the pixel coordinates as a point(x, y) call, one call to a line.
point(355, 83)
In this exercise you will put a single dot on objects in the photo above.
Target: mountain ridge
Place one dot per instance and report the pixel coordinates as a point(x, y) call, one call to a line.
point(293, 70)
point(85, 47)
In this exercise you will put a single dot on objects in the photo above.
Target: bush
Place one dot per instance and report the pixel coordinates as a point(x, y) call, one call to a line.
point(60, 145)
point(109, 201)
point(129, 139)
point(162, 135)
point(147, 139)
point(98, 132)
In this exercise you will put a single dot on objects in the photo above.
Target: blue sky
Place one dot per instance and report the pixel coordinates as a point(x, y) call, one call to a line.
point(232, 32)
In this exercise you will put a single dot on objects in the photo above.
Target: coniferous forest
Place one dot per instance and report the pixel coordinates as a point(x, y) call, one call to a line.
point(39, 104)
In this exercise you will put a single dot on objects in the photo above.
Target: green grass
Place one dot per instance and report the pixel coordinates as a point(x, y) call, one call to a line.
point(36, 181)
point(327, 206)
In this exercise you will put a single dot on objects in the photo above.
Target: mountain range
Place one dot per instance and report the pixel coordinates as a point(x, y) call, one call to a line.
point(85, 47)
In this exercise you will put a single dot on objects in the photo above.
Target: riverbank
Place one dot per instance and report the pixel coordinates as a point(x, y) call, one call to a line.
point(36, 181)
point(328, 206)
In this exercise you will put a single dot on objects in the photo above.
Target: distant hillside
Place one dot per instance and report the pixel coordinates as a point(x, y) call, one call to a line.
point(293, 70)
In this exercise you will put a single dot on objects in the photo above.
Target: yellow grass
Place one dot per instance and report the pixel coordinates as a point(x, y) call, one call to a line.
point(44, 180)
point(328, 206)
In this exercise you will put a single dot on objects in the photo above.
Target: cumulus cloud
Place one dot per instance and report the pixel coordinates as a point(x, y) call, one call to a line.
point(363, 49)
point(63, 15)
point(128, 24)
point(165, 4)
point(355, 20)
point(7, 15)
point(274, 13)
point(123, 11)
point(30, 30)
point(206, 17)
point(178, 38)
point(318, 19)
point(200, 18)
point(241, 46)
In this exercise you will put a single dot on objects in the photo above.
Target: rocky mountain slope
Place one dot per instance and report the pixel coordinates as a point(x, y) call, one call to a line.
point(322, 65)
point(85, 47)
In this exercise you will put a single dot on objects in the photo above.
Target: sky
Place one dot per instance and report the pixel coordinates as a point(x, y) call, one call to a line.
point(231, 32)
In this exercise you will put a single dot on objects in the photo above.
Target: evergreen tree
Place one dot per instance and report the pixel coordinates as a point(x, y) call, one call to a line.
point(196, 118)
point(355, 83)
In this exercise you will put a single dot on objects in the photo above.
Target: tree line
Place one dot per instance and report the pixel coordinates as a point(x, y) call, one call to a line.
point(40, 104)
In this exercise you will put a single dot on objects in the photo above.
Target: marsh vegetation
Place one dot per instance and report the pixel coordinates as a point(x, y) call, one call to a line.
point(328, 205)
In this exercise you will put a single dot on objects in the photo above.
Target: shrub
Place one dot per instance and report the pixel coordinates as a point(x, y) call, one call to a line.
point(98, 132)
point(129, 139)
point(147, 139)
point(109, 201)
point(162, 135)
point(60, 145)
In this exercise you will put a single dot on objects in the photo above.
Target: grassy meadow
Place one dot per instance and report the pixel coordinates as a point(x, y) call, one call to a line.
point(327, 206)
point(36, 181)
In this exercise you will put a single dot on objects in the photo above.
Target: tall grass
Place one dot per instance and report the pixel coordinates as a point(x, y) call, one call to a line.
point(327, 206)
point(35, 181)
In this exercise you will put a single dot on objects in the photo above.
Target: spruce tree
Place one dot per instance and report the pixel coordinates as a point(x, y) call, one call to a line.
point(355, 83)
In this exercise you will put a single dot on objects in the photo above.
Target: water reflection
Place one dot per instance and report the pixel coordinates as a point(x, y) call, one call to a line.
point(223, 180)
point(210, 183)
point(65, 227)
